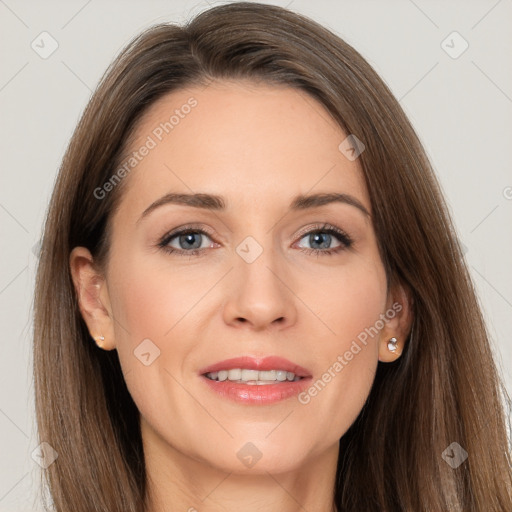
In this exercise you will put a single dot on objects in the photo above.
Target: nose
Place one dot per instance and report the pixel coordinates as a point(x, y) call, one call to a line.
point(260, 295)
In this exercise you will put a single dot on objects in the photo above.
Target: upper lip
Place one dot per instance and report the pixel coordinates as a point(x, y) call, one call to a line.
point(255, 363)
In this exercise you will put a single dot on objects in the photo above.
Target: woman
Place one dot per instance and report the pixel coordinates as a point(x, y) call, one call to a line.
point(254, 373)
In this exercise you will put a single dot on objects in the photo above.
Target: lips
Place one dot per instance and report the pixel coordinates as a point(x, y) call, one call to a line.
point(262, 364)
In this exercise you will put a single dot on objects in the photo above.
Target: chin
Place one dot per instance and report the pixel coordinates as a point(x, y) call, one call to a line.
point(257, 455)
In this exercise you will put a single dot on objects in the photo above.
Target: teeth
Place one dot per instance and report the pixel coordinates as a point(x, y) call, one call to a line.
point(235, 374)
point(253, 376)
point(248, 375)
point(281, 375)
point(268, 375)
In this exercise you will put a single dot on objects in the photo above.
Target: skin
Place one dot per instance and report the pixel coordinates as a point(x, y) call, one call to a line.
point(258, 146)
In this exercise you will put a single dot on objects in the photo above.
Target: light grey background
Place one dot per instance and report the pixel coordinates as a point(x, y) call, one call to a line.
point(461, 108)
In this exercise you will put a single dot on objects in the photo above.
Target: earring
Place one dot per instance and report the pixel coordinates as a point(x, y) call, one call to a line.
point(99, 339)
point(392, 344)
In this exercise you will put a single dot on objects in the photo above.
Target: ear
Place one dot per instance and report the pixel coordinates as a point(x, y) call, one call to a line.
point(398, 325)
point(93, 299)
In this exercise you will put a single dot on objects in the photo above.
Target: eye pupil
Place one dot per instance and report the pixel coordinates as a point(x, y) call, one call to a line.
point(323, 245)
point(189, 239)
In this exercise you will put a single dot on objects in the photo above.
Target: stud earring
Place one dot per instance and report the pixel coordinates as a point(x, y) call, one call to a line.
point(392, 344)
point(99, 339)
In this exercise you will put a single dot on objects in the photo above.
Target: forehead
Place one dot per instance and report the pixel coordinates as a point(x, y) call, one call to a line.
point(254, 144)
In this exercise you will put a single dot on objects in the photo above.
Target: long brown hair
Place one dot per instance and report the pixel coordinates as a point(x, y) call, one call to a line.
point(445, 388)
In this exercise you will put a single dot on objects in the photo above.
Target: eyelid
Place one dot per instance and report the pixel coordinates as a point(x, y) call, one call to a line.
point(318, 227)
point(211, 232)
point(190, 227)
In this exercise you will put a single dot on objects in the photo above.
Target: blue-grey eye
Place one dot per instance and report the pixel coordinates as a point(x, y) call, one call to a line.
point(190, 240)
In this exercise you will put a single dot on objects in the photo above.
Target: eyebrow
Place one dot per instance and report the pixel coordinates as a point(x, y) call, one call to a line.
point(217, 203)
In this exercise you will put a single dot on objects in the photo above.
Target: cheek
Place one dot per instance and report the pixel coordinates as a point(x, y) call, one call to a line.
point(151, 298)
point(352, 298)
point(351, 306)
point(150, 305)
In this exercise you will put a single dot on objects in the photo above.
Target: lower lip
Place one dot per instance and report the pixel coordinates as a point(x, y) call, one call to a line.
point(262, 394)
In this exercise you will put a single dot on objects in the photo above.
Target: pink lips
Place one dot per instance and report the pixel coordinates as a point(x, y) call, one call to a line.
point(262, 364)
point(255, 393)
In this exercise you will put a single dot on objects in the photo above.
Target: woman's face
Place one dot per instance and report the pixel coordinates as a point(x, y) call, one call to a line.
point(258, 275)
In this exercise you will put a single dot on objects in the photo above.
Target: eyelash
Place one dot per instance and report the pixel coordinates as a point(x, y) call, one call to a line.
point(346, 241)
